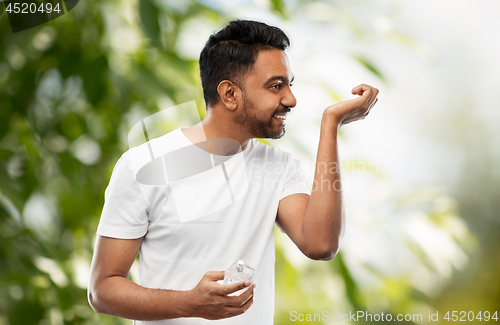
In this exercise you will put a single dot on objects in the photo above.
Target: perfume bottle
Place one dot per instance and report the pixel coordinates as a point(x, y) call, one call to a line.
point(238, 272)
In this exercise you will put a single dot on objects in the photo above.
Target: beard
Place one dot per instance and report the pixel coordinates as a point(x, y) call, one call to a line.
point(257, 127)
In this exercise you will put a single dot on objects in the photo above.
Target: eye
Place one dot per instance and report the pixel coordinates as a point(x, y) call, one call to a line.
point(276, 86)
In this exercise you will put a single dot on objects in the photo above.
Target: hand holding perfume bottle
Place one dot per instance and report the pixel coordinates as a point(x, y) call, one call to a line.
point(238, 272)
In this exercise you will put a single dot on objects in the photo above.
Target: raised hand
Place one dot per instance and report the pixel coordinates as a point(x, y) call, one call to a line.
point(354, 109)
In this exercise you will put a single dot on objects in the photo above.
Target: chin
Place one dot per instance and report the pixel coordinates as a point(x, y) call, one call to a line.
point(277, 136)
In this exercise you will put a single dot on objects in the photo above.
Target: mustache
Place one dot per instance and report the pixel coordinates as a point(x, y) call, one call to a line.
point(287, 109)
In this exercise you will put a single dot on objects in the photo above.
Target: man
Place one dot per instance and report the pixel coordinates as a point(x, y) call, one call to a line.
point(246, 79)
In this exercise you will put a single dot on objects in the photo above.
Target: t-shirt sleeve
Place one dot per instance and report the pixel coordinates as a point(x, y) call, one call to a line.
point(125, 212)
point(295, 181)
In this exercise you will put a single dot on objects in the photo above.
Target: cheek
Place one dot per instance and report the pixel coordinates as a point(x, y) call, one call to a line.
point(269, 102)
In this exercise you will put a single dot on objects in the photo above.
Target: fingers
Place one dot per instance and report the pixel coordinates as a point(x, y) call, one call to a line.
point(214, 275)
point(356, 90)
point(372, 102)
point(214, 301)
point(234, 311)
point(365, 91)
point(368, 95)
point(362, 90)
point(247, 304)
point(247, 295)
point(366, 101)
point(238, 301)
point(225, 290)
point(373, 98)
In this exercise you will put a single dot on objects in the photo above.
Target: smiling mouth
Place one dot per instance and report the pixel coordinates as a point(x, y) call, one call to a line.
point(280, 116)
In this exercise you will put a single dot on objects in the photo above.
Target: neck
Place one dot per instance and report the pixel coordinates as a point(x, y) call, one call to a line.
point(218, 126)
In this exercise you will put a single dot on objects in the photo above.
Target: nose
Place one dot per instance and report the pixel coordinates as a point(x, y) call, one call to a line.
point(289, 99)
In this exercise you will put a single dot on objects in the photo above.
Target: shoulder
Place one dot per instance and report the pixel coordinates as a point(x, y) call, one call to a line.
point(171, 140)
point(144, 153)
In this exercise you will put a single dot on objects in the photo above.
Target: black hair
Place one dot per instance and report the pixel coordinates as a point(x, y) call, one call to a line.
point(231, 52)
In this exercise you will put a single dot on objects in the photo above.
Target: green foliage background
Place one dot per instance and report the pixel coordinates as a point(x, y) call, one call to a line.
point(62, 84)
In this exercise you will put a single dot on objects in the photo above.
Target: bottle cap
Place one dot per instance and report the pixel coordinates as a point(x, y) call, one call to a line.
point(240, 265)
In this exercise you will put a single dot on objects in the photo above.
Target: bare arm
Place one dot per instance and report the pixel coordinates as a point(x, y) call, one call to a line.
point(315, 223)
point(111, 292)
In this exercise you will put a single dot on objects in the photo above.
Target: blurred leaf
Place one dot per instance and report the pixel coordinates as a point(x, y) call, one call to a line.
point(264, 141)
point(70, 4)
point(353, 166)
point(26, 312)
point(334, 94)
point(149, 18)
point(370, 66)
point(280, 7)
point(5, 153)
point(350, 285)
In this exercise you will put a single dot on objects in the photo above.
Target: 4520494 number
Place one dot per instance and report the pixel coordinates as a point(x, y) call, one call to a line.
point(25, 8)
point(463, 316)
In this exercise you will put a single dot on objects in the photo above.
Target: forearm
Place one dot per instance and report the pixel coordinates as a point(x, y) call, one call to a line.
point(324, 218)
point(118, 296)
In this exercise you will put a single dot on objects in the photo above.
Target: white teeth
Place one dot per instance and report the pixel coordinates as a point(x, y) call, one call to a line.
point(283, 117)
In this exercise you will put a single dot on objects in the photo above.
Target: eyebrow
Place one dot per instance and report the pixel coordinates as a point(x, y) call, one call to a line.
point(281, 78)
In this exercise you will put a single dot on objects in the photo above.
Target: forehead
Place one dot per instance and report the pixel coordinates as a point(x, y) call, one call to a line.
point(270, 63)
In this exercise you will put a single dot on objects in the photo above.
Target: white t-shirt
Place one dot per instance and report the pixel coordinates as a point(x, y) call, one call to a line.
point(192, 225)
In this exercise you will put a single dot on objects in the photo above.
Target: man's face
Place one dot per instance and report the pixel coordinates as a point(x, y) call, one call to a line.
point(267, 96)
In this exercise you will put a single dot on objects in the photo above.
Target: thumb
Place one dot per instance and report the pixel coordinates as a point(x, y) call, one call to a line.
point(361, 90)
point(356, 90)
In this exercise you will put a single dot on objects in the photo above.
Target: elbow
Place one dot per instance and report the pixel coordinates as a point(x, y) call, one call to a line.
point(323, 253)
point(94, 301)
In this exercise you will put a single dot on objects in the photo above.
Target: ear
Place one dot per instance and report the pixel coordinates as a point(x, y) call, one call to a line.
point(229, 94)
